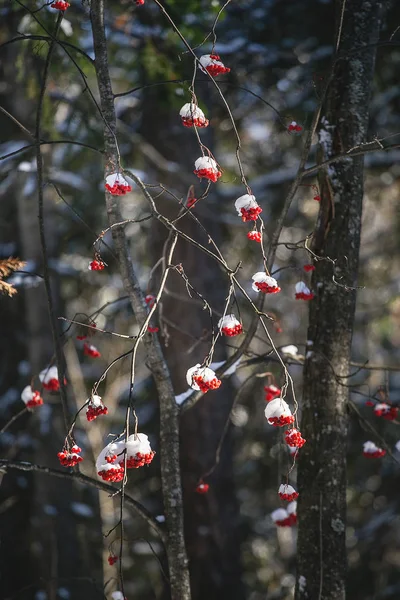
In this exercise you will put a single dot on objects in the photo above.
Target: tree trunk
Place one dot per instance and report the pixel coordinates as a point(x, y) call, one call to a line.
point(169, 425)
point(322, 462)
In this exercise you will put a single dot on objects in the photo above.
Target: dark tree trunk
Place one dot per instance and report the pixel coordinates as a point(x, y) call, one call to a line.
point(322, 462)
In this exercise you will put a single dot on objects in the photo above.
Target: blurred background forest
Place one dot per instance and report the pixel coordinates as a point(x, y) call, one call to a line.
point(279, 54)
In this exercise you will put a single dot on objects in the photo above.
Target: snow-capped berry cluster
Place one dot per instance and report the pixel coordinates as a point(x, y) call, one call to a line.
point(70, 458)
point(192, 115)
point(95, 408)
point(138, 451)
point(271, 392)
point(386, 411)
point(247, 208)
point(202, 379)
point(205, 167)
point(110, 464)
point(294, 128)
point(254, 236)
point(90, 350)
point(287, 492)
point(264, 283)
point(303, 292)
point(117, 185)
point(49, 379)
point(202, 488)
point(230, 326)
point(60, 5)
point(212, 64)
point(97, 265)
point(31, 398)
point(294, 439)
point(285, 517)
point(278, 413)
point(370, 450)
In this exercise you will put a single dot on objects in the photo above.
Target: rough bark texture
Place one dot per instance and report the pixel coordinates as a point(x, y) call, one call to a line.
point(322, 462)
point(169, 429)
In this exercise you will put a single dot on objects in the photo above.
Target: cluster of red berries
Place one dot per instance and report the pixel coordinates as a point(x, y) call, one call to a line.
point(255, 236)
point(294, 127)
point(36, 400)
point(118, 189)
point(267, 289)
point(205, 386)
point(90, 350)
point(309, 268)
point(139, 460)
point(202, 488)
point(281, 421)
point(211, 174)
point(232, 331)
point(294, 439)
point(95, 411)
point(60, 5)
point(214, 69)
point(112, 559)
point(97, 265)
point(250, 214)
point(271, 392)
point(288, 521)
point(70, 458)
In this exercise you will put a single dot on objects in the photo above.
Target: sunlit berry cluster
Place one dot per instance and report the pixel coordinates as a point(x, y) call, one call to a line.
point(95, 408)
point(211, 64)
point(70, 457)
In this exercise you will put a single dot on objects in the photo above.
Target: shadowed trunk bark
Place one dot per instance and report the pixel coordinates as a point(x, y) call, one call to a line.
point(321, 571)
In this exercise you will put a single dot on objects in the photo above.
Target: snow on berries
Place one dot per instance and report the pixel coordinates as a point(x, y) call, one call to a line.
point(230, 326)
point(202, 378)
point(70, 457)
point(271, 392)
point(247, 208)
point(254, 236)
point(285, 518)
point(192, 115)
point(49, 379)
point(31, 398)
point(138, 451)
point(294, 439)
point(264, 283)
point(90, 350)
point(212, 64)
point(202, 488)
point(97, 265)
point(205, 167)
point(287, 492)
point(294, 128)
point(386, 411)
point(308, 268)
point(303, 292)
point(278, 413)
point(108, 463)
point(95, 408)
point(370, 450)
point(117, 185)
point(60, 5)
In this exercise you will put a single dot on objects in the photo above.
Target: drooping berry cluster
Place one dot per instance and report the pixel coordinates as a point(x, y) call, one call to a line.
point(254, 236)
point(287, 493)
point(211, 64)
point(271, 392)
point(60, 5)
point(202, 379)
point(294, 439)
point(95, 408)
point(70, 458)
